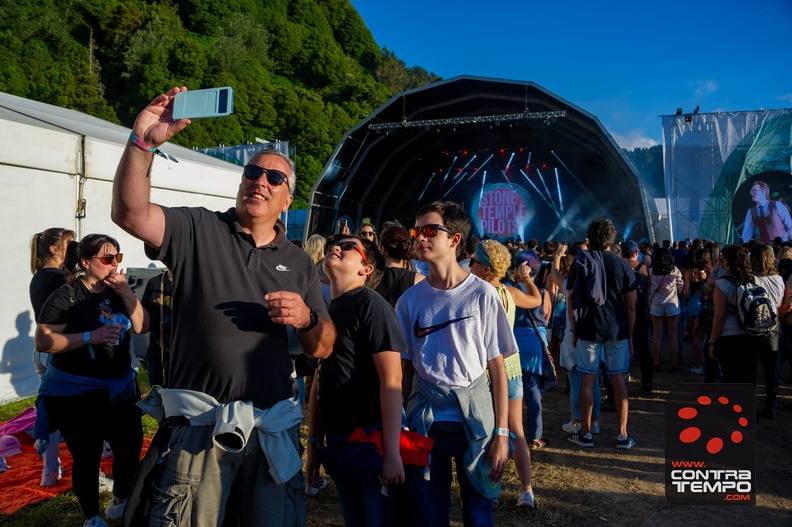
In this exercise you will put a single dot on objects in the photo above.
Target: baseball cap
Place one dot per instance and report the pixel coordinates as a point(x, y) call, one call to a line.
point(630, 246)
point(10, 446)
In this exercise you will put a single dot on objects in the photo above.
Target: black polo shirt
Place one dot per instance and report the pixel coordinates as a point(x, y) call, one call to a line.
point(224, 342)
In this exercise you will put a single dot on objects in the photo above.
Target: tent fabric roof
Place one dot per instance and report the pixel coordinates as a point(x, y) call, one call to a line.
point(386, 174)
point(42, 115)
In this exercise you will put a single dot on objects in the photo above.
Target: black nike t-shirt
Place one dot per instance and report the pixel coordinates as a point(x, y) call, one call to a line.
point(349, 384)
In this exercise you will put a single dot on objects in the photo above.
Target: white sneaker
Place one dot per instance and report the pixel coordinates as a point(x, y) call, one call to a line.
point(698, 370)
point(570, 427)
point(50, 479)
point(115, 511)
point(313, 491)
point(526, 500)
point(96, 521)
point(595, 427)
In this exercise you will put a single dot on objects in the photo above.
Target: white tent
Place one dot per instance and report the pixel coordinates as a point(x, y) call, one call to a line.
point(56, 170)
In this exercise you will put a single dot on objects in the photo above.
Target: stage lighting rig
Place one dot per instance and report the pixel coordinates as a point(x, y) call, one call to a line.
point(548, 117)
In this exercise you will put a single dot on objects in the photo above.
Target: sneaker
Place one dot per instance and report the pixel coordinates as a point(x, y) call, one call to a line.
point(313, 491)
point(581, 440)
point(96, 521)
point(570, 427)
point(698, 370)
point(625, 442)
point(50, 479)
point(646, 389)
point(526, 500)
point(115, 511)
point(595, 427)
point(107, 452)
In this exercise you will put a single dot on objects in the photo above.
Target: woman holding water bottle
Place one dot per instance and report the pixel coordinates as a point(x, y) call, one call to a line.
point(89, 391)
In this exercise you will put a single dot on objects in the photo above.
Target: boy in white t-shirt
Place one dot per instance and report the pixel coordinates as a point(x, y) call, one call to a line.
point(456, 332)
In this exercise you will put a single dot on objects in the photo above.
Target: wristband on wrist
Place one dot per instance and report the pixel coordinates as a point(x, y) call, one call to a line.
point(502, 431)
point(140, 143)
point(314, 440)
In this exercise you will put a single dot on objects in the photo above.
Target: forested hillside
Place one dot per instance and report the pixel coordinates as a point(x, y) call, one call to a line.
point(303, 70)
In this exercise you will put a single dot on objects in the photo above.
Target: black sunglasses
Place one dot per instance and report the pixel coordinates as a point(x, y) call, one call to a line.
point(274, 177)
point(473, 262)
point(429, 230)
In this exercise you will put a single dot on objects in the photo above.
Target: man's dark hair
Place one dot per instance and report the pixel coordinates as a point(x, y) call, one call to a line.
point(532, 244)
point(455, 217)
point(667, 243)
point(600, 234)
point(470, 244)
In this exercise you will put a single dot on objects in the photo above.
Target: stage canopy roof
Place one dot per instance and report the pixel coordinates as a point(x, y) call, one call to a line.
point(522, 160)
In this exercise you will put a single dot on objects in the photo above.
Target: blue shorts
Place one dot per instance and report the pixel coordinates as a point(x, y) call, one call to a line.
point(515, 388)
point(669, 309)
point(614, 353)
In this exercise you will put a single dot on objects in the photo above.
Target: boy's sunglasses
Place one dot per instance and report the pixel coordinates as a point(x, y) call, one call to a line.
point(108, 259)
point(274, 177)
point(348, 246)
point(429, 230)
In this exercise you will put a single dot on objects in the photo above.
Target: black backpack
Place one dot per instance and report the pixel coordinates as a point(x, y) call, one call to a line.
point(755, 310)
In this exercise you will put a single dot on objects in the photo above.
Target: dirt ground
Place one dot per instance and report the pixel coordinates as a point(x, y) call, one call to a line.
point(606, 486)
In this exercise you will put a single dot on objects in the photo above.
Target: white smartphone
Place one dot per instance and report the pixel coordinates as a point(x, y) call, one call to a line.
point(201, 104)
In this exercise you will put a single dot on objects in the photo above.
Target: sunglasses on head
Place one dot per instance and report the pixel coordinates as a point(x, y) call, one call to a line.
point(348, 246)
point(274, 177)
point(429, 230)
point(108, 259)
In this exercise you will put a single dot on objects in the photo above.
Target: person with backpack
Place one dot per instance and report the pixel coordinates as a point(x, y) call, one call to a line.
point(741, 305)
point(764, 268)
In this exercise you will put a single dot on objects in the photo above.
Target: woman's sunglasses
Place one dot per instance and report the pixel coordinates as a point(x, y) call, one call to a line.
point(274, 177)
point(429, 230)
point(348, 246)
point(108, 259)
point(368, 234)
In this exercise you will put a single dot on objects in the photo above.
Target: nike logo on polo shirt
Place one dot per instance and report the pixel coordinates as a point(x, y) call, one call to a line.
point(281, 267)
point(422, 332)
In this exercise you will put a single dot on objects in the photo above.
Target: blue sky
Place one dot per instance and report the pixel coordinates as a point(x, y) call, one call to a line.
point(625, 62)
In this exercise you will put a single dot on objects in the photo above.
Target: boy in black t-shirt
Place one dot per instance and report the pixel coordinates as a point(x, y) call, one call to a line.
point(358, 386)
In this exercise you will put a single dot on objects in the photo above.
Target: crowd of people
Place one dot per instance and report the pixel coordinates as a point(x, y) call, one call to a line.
point(417, 349)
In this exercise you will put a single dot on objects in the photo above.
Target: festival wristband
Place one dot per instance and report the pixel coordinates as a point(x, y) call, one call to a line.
point(140, 143)
point(502, 431)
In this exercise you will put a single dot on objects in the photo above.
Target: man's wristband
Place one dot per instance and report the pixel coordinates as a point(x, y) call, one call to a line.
point(502, 431)
point(140, 143)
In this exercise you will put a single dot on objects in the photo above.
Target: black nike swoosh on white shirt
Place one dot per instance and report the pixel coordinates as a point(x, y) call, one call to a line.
point(422, 332)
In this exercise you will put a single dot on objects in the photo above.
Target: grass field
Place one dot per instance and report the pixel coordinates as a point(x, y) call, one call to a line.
point(600, 486)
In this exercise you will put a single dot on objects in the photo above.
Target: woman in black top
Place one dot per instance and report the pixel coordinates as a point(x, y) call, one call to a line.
point(47, 254)
point(396, 247)
point(89, 391)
